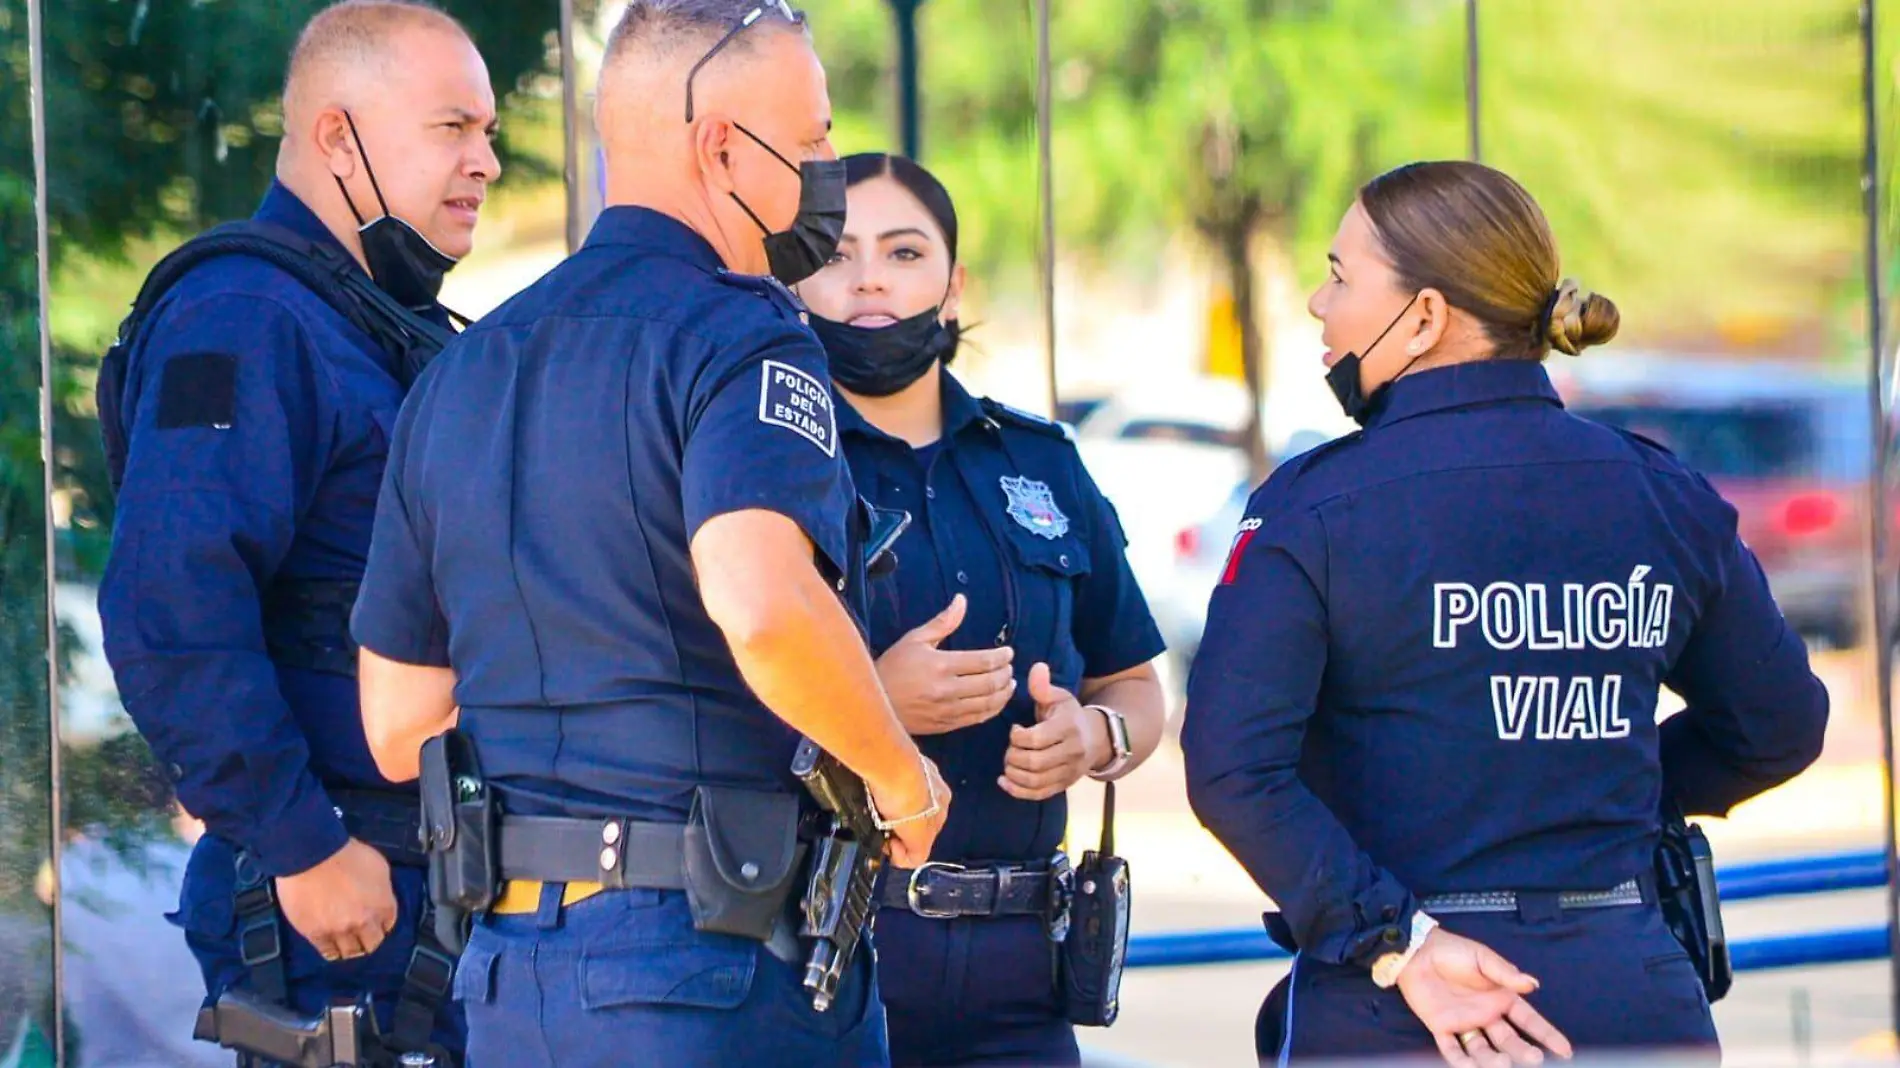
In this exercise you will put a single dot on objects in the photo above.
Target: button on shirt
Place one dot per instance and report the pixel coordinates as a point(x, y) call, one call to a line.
point(1004, 513)
point(1433, 662)
point(547, 477)
point(257, 420)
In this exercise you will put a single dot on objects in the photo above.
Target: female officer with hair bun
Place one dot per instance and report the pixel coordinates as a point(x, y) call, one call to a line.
point(1423, 717)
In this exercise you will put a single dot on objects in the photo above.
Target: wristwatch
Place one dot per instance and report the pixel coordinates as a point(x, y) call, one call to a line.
point(1118, 740)
point(1385, 970)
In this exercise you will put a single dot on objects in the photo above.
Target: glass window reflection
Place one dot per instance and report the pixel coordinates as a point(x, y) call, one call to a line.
point(28, 1012)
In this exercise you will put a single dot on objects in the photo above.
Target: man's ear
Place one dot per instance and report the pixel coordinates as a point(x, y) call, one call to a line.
point(333, 140)
point(712, 150)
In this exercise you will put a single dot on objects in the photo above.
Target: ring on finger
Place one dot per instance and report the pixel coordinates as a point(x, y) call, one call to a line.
point(1466, 1038)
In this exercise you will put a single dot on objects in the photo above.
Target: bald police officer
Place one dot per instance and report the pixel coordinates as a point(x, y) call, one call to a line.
point(611, 551)
point(252, 420)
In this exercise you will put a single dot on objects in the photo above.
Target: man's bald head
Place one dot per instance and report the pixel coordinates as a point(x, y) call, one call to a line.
point(654, 46)
point(349, 49)
point(759, 108)
point(388, 109)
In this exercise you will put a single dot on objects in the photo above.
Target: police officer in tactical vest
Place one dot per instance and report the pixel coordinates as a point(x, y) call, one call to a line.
point(247, 411)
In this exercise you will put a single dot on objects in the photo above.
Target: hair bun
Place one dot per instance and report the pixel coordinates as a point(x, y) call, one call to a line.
point(1579, 318)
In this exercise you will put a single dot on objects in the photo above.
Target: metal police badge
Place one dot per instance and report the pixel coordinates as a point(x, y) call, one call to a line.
point(1032, 505)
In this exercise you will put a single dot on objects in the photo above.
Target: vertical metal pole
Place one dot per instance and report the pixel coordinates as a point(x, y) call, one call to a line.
point(909, 120)
point(36, 91)
point(570, 142)
point(1046, 194)
point(1471, 79)
point(1872, 200)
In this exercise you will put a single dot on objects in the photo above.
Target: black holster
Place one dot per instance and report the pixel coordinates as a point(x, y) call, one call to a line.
point(1690, 902)
point(1096, 947)
point(461, 831)
point(742, 858)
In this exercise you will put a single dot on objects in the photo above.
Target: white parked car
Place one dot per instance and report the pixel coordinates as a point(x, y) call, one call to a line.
point(1167, 454)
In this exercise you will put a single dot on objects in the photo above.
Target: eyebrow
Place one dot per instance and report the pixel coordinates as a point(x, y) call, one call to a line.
point(1334, 259)
point(908, 231)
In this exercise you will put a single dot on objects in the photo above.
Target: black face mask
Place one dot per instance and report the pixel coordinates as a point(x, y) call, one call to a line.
point(880, 361)
point(402, 261)
point(796, 254)
point(1343, 377)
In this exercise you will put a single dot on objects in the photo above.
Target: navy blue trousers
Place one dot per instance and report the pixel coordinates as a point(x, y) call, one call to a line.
point(622, 978)
point(208, 914)
point(1613, 979)
point(971, 992)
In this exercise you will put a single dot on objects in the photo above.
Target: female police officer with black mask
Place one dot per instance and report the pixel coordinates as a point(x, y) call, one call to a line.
point(1013, 639)
point(1423, 716)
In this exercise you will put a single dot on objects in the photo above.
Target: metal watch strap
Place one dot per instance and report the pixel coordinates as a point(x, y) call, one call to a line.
point(1118, 740)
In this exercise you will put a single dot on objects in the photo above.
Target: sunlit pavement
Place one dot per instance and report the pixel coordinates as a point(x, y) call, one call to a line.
point(1830, 1015)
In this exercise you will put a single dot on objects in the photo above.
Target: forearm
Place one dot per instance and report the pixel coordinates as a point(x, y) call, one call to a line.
point(1338, 903)
point(809, 666)
point(239, 761)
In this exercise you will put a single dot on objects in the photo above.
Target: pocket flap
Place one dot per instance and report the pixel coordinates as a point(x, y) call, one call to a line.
point(475, 975)
point(1065, 557)
point(703, 974)
point(752, 835)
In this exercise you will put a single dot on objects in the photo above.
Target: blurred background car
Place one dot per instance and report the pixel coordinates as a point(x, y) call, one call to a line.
point(1788, 444)
point(1168, 453)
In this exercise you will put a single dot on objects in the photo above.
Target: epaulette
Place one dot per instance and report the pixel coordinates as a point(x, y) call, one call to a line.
point(1649, 441)
point(1300, 464)
point(768, 287)
point(1003, 413)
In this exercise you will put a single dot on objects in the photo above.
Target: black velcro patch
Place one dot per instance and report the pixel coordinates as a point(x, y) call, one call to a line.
point(198, 389)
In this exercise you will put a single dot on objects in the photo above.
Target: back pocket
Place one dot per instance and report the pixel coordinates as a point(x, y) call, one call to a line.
point(709, 972)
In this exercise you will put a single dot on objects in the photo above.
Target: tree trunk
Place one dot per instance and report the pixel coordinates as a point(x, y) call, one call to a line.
point(1235, 239)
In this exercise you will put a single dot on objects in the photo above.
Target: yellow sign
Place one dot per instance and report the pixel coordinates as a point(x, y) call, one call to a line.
point(1222, 359)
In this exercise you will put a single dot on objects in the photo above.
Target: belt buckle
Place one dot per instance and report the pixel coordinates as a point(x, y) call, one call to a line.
point(914, 899)
point(1061, 897)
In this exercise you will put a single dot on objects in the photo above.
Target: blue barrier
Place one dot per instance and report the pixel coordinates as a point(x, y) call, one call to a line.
point(1803, 875)
point(1740, 882)
point(1840, 946)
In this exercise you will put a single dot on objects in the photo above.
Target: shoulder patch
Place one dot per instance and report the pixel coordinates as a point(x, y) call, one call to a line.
point(1003, 413)
point(799, 402)
point(1249, 526)
point(198, 389)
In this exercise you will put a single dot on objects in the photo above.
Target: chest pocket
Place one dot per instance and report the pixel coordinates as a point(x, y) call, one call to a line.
point(1048, 578)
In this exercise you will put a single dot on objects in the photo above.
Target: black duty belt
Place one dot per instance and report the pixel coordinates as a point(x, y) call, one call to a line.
point(1628, 893)
point(619, 854)
point(943, 891)
point(390, 822)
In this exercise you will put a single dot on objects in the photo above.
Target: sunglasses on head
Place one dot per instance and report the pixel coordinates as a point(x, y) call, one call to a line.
point(784, 10)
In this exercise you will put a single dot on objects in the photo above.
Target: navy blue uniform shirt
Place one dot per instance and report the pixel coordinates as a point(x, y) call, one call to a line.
point(258, 421)
point(1433, 662)
point(1002, 512)
point(548, 474)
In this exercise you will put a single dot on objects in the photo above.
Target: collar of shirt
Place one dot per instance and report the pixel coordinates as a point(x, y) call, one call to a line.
point(960, 410)
point(281, 207)
point(644, 228)
point(1464, 385)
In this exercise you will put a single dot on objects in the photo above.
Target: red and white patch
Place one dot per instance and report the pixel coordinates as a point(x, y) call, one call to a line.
point(1248, 528)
